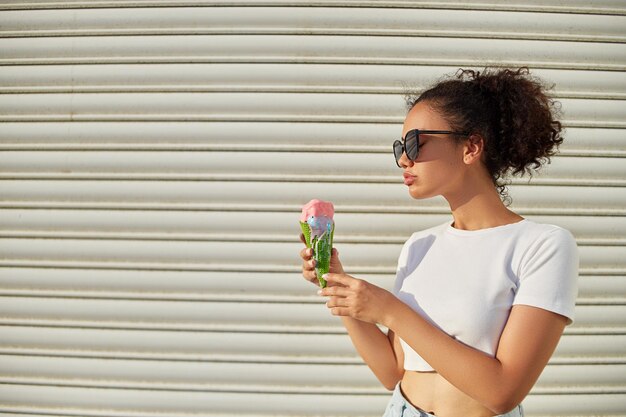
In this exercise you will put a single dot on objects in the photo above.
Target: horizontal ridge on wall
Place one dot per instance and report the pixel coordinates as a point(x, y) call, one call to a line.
point(573, 7)
point(218, 165)
point(190, 147)
point(159, 136)
point(315, 60)
point(224, 267)
point(317, 376)
point(311, 49)
point(255, 118)
point(249, 207)
point(266, 225)
point(267, 107)
point(155, 343)
point(298, 20)
point(252, 358)
point(71, 164)
point(302, 178)
point(288, 105)
point(258, 118)
point(233, 237)
point(312, 31)
point(270, 389)
point(228, 286)
point(234, 297)
point(287, 196)
point(90, 89)
point(200, 311)
point(277, 78)
point(204, 314)
point(265, 404)
point(597, 258)
point(236, 328)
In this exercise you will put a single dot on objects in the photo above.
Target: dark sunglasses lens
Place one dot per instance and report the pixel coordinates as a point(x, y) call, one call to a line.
point(397, 150)
point(411, 145)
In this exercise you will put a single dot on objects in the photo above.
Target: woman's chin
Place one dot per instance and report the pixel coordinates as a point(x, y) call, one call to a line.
point(418, 194)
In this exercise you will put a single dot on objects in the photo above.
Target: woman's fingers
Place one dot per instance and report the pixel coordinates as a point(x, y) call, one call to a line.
point(337, 302)
point(337, 296)
point(302, 239)
point(308, 264)
point(308, 271)
point(306, 253)
point(335, 291)
point(342, 279)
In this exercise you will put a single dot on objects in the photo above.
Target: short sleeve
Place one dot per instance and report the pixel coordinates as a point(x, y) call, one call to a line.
point(402, 266)
point(548, 274)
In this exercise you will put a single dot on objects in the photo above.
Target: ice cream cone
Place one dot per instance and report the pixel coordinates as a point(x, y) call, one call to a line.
point(322, 248)
point(318, 228)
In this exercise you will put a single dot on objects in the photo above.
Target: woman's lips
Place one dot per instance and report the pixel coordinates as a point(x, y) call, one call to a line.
point(408, 179)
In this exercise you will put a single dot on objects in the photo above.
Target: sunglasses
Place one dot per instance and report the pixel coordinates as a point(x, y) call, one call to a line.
point(411, 143)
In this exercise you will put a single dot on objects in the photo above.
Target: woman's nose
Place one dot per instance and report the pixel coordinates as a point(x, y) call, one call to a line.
point(404, 161)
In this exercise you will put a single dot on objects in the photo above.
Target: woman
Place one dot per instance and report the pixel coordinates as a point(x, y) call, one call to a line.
point(479, 302)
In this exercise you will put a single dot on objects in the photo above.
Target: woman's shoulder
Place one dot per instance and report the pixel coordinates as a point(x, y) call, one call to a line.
point(534, 230)
point(543, 240)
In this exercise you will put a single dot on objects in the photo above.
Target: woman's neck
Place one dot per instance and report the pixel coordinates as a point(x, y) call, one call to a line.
point(480, 208)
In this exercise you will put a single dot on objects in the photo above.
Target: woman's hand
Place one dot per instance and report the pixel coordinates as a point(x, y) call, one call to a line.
point(357, 298)
point(308, 263)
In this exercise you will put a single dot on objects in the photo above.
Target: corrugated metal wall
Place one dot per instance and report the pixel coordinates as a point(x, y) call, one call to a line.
point(154, 156)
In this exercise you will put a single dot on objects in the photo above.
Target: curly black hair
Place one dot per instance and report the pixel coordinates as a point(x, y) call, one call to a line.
point(508, 108)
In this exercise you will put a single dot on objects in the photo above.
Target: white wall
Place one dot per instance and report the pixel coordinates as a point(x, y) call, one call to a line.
point(154, 156)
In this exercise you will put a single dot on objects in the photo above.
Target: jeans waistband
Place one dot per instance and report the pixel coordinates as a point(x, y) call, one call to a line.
point(402, 407)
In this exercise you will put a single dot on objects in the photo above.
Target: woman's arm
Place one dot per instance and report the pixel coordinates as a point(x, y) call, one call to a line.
point(376, 349)
point(527, 343)
point(501, 382)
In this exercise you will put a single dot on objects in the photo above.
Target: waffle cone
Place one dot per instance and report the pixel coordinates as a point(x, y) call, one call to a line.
point(322, 250)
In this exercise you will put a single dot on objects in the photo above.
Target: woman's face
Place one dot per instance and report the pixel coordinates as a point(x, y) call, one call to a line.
point(439, 167)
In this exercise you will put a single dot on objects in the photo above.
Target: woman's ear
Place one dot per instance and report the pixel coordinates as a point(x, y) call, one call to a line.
point(473, 148)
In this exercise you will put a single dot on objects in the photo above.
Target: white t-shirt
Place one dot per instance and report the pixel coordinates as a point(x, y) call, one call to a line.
point(466, 281)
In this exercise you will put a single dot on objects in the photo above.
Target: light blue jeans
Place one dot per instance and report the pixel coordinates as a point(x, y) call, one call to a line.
point(399, 406)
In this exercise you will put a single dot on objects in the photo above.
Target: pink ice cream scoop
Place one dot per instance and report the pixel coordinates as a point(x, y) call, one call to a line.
point(319, 215)
point(318, 226)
